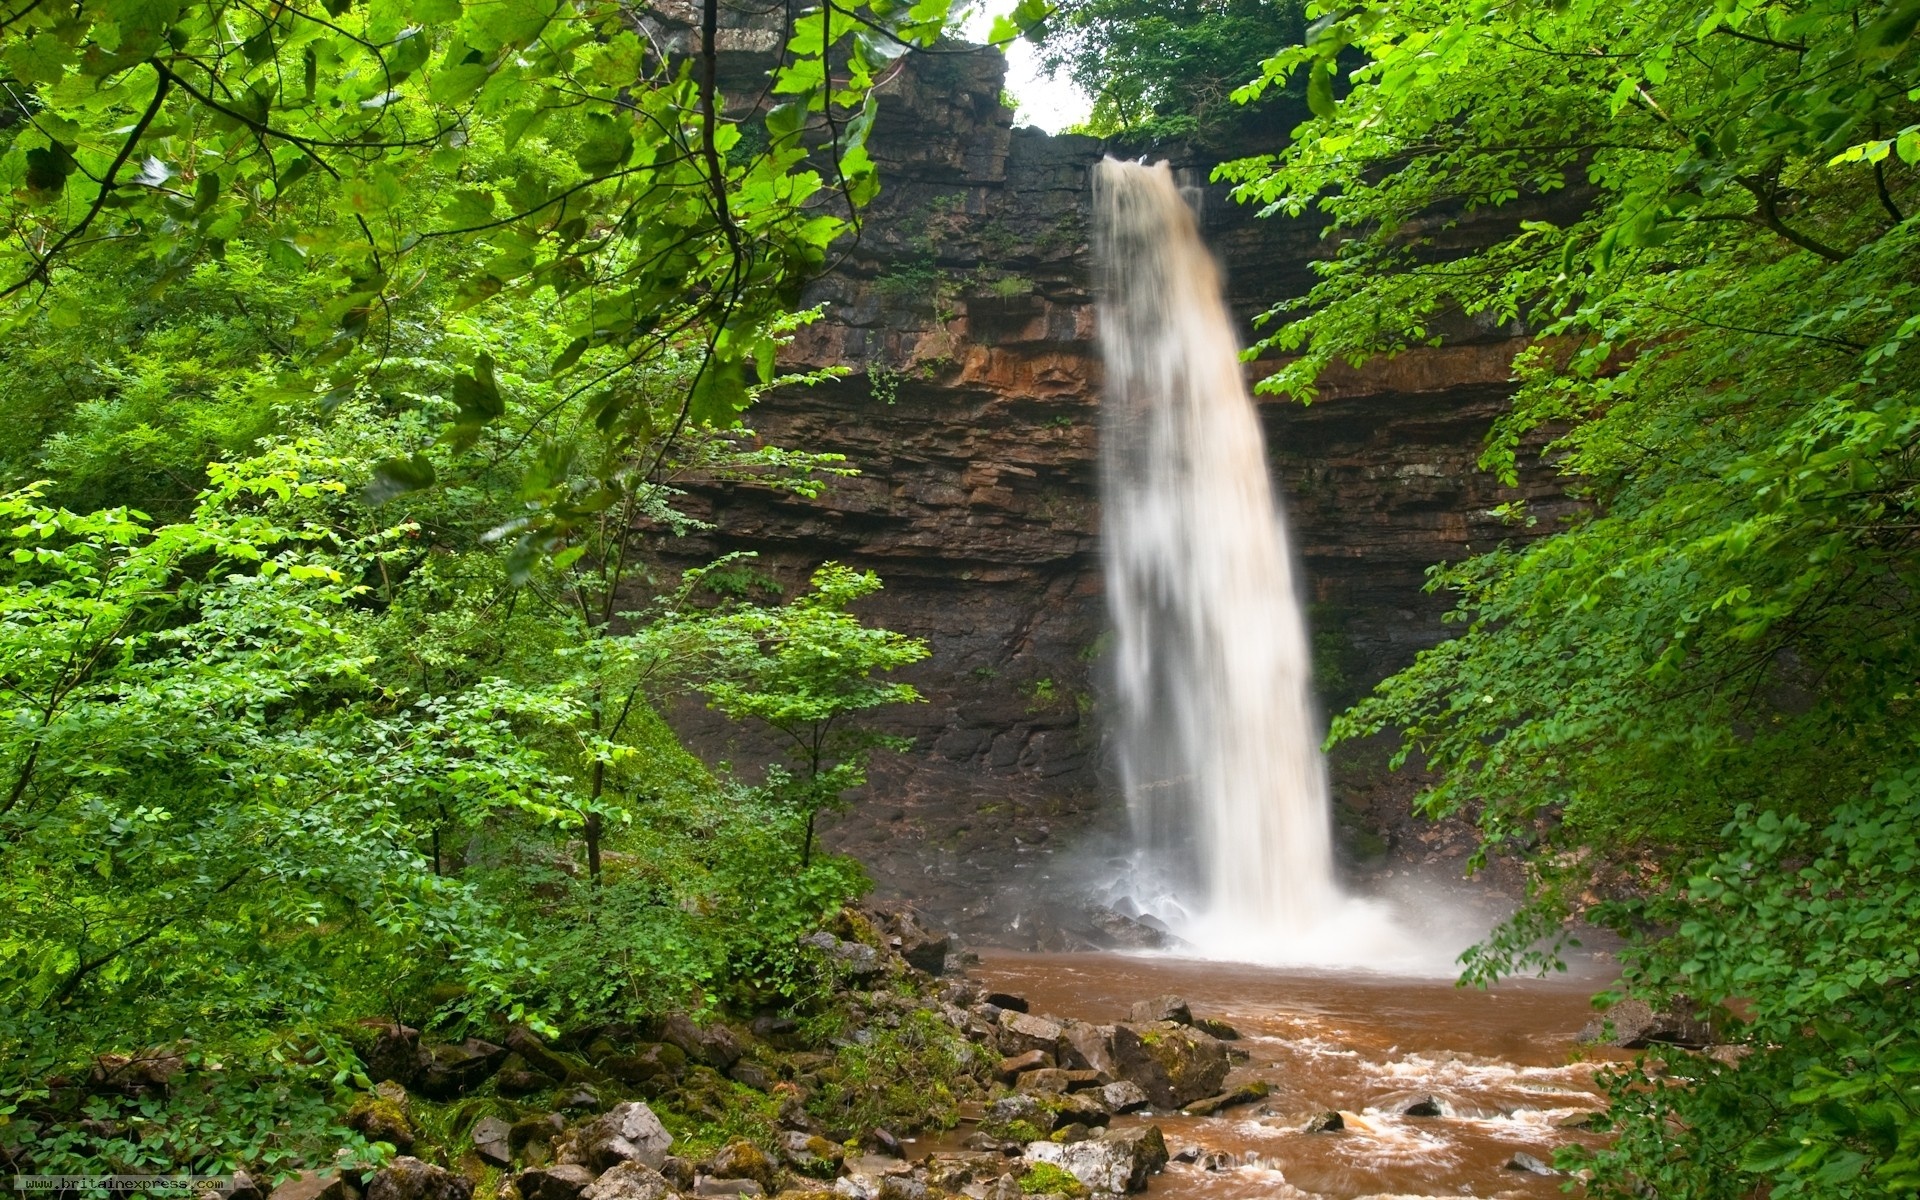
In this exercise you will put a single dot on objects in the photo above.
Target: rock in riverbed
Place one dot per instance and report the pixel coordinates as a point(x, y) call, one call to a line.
point(1173, 1064)
point(1114, 1162)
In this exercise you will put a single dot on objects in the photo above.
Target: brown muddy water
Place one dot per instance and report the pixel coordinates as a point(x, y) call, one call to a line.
point(1502, 1063)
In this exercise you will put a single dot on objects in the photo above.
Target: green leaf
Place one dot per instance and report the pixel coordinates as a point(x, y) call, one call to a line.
point(1320, 89)
point(397, 476)
point(477, 395)
point(720, 395)
point(48, 168)
point(1886, 37)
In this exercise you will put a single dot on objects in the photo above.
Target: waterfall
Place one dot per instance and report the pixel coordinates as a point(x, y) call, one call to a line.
point(1217, 736)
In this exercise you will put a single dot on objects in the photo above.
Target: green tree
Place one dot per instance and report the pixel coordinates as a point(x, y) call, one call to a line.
point(1168, 68)
point(159, 133)
point(1704, 214)
point(803, 670)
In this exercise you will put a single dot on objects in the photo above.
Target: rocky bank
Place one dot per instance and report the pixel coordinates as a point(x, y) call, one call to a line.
point(773, 1106)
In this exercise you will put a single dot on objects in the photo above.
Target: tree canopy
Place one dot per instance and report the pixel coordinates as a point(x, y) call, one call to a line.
point(1697, 694)
point(1159, 69)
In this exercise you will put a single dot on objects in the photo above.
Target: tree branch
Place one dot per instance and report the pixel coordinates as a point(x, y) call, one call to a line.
point(44, 262)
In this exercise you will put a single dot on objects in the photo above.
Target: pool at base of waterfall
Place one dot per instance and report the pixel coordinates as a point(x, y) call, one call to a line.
point(1498, 1073)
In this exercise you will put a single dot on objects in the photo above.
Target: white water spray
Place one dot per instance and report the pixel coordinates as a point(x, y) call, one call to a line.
point(1218, 739)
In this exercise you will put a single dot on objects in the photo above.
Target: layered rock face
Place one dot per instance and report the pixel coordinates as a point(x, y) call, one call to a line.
point(964, 313)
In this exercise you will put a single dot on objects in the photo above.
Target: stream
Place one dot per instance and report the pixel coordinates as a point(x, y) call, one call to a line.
point(1503, 1064)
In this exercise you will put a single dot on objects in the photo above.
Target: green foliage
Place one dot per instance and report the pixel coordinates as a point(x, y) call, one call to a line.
point(296, 759)
point(1703, 214)
point(1157, 69)
point(544, 147)
point(1803, 941)
point(803, 670)
point(899, 1077)
point(700, 904)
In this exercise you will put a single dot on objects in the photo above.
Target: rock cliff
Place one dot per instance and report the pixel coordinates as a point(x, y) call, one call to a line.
point(964, 312)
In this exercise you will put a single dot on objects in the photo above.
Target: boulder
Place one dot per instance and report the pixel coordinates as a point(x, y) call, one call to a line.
point(1246, 1093)
point(923, 949)
point(528, 1130)
point(1115, 1162)
point(628, 1133)
point(1123, 1096)
point(1327, 1122)
point(741, 1159)
point(949, 1172)
point(713, 1045)
point(1012, 1067)
point(1160, 1008)
point(883, 1142)
point(579, 1099)
point(792, 1113)
point(811, 1154)
point(316, 1185)
point(1021, 1032)
point(903, 1187)
point(447, 1071)
point(513, 1080)
point(857, 1186)
point(1007, 1109)
point(395, 1054)
point(1080, 1108)
point(563, 1182)
point(1045, 1081)
point(1218, 1029)
point(1173, 1064)
point(1522, 1161)
point(656, 1060)
point(986, 1143)
point(859, 962)
point(537, 1054)
point(1423, 1106)
point(926, 952)
point(680, 1172)
point(1008, 1001)
point(629, 1181)
point(1085, 1047)
point(492, 1140)
point(407, 1178)
point(708, 1186)
point(1120, 930)
point(1587, 1120)
point(240, 1186)
point(380, 1118)
point(1071, 1133)
point(752, 1074)
point(1635, 1025)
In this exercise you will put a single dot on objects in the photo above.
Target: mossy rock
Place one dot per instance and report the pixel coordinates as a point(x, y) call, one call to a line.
point(741, 1159)
point(1174, 1064)
point(382, 1119)
point(1046, 1179)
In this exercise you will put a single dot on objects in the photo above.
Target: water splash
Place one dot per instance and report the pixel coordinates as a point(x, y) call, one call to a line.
point(1218, 737)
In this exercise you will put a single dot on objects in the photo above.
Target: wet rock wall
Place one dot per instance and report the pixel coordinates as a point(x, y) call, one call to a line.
point(964, 313)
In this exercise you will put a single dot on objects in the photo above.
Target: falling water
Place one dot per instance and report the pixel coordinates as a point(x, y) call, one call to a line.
point(1218, 739)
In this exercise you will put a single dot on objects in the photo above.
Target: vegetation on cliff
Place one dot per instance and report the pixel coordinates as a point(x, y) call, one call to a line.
point(1702, 687)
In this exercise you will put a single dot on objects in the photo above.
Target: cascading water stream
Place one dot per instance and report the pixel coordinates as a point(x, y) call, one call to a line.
point(1217, 737)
